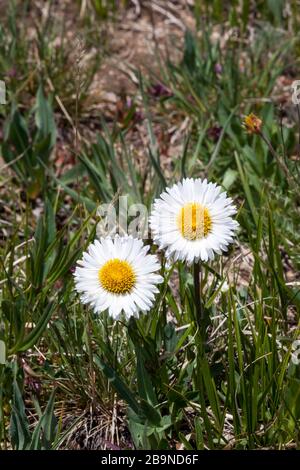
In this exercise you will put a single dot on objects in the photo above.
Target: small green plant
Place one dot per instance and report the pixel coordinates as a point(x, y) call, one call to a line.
point(45, 430)
point(27, 145)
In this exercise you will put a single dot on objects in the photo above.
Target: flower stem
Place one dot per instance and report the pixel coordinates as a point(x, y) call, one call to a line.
point(197, 287)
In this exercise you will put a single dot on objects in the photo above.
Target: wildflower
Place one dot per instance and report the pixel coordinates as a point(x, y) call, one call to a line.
point(117, 274)
point(218, 69)
point(252, 124)
point(192, 221)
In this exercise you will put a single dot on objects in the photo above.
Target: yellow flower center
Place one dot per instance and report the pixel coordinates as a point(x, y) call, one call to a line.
point(194, 221)
point(117, 276)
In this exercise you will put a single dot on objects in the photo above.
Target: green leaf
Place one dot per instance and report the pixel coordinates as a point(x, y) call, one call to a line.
point(118, 384)
point(19, 427)
point(145, 387)
point(45, 431)
point(44, 118)
point(33, 337)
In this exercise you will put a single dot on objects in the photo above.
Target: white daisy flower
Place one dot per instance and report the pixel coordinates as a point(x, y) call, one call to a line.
point(192, 221)
point(118, 275)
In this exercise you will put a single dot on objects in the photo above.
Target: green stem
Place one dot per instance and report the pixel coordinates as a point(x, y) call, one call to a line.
point(197, 287)
point(201, 321)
